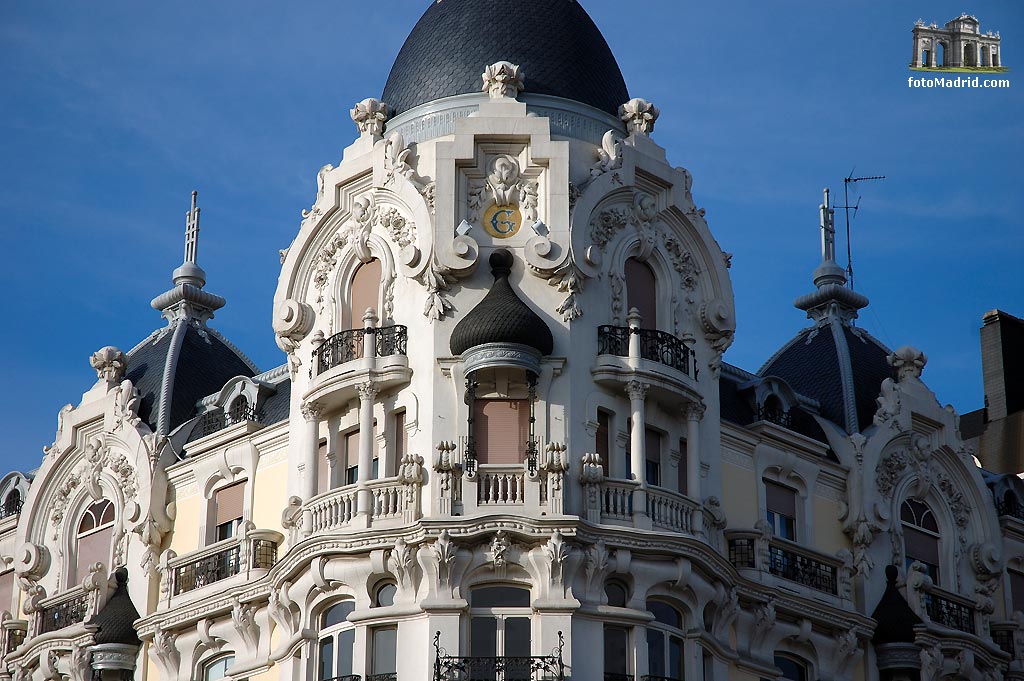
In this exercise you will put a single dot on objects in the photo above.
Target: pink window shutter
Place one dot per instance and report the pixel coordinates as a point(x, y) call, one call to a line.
point(230, 502)
point(365, 289)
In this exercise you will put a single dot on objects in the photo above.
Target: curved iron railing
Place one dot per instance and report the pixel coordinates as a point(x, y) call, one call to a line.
point(802, 569)
point(63, 614)
point(656, 346)
point(350, 345)
point(10, 507)
point(949, 613)
point(508, 668)
point(388, 676)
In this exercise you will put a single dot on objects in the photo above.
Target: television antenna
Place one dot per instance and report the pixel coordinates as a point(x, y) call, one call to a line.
point(847, 208)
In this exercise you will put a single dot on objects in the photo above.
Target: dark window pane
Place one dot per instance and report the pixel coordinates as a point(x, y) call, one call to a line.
point(386, 595)
point(346, 642)
point(656, 652)
point(517, 637)
point(791, 669)
point(617, 594)
point(483, 637)
point(337, 614)
point(665, 613)
point(327, 658)
point(385, 649)
point(616, 650)
point(500, 597)
point(675, 657)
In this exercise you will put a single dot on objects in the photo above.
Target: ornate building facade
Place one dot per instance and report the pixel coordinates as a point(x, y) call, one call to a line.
point(504, 443)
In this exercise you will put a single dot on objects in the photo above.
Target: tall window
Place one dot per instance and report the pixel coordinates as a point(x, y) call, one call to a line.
point(665, 641)
point(920, 536)
point(365, 292)
point(401, 438)
point(1016, 589)
point(349, 460)
point(229, 502)
point(323, 469)
point(682, 481)
point(652, 450)
point(385, 650)
point(337, 638)
point(603, 445)
point(501, 429)
point(217, 669)
point(780, 502)
point(500, 623)
point(617, 652)
point(95, 532)
point(641, 292)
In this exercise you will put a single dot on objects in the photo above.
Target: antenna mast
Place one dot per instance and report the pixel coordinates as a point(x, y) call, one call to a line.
point(846, 195)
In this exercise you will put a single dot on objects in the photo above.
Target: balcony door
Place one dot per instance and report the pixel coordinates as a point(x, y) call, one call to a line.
point(500, 633)
point(502, 429)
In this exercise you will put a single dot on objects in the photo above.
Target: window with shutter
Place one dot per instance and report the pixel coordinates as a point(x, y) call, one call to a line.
point(780, 502)
point(502, 428)
point(229, 502)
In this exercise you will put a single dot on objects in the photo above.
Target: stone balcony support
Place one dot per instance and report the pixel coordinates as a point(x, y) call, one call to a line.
point(637, 392)
point(367, 395)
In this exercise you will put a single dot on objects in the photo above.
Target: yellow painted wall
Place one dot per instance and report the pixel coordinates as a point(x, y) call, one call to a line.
point(189, 519)
point(739, 496)
point(270, 675)
point(828, 533)
point(270, 496)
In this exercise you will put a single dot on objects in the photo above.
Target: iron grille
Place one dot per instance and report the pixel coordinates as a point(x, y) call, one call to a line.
point(949, 613)
point(390, 676)
point(1010, 508)
point(741, 552)
point(802, 570)
point(338, 349)
point(264, 554)
point(15, 637)
point(63, 614)
point(613, 340)
point(216, 421)
point(206, 570)
point(776, 416)
point(392, 340)
point(649, 677)
point(11, 507)
point(609, 676)
point(1004, 639)
point(659, 346)
point(507, 668)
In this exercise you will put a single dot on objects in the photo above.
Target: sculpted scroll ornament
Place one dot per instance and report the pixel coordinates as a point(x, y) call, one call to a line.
point(438, 280)
point(639, 116)
point(568, 279)
point(557, 552)
point(110, 364)
point(503, 79)
point(444, 551)
point(683, 262)
point(609, 155)
point(504, 185)
point(639, 215)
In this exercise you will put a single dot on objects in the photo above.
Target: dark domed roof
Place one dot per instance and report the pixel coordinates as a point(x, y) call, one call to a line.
point(556, 43)
point(201, 362)
point(116, 621)
point(843, 371)
point(896, 620)
point(501, 317)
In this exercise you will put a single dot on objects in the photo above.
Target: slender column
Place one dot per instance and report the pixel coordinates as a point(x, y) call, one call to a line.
point(694, 414)
point(633, 320)
point(637, 392)
point(369, 334)
point(310, 454)
point(367, 394)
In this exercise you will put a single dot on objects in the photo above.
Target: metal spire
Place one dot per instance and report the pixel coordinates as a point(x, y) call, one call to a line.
point(828, 230)
point(192, 231)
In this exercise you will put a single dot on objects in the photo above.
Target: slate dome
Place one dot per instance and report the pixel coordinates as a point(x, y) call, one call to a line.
point(501, 317)
point(560, 49)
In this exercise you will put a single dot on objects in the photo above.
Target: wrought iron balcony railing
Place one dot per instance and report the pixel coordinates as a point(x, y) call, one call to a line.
point(206, 570)
point(63, 614)
point(1004, 639)
point(216, 421)
point(387, 676)
point(350, 677)
point(505, 668)
point(948, 612)
point(351, 345)
point(10, 508)
point(655, 346)
point(776, 416)
point(15, 637)
point(741, 552)
point(610, 676)
point(1010, 508)
point(802, 569)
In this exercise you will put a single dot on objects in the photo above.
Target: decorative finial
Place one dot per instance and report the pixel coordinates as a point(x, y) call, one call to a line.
point(639, 116)
point(110, 364)
point(369, 116)
point(908, 362)
point(192, 231)
point(503, 79)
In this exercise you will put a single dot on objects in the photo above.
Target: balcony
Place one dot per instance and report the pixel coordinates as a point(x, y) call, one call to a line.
point(217, 420)
point(64, 613)
point(391, 499)
point(506, 668)
point(351, 358)
point(10, 508)
point(658, 358)
point(751, 550)
point(222, 561)
point(1011, 508)
point(950, 611)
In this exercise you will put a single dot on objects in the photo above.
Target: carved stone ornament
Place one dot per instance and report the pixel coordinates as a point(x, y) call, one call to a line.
point(283, 610)
point(609, 155)
point(639, 116)
point(110, 364)
point(557, 552)
point(591, 473)
point(401, 562)
point(613, 219)
point(369, 116)
point(505, 185)
point(243, 618)
point(908, 362)
point(437, 279)
point(683, 262)
point(500, 545)
point(444, 551)
point(597, 564)
point(503, 79)
point(568, 279)
point(293, 320)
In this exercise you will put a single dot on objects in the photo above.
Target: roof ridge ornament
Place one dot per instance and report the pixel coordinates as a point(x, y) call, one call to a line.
point(187, 299)
point(639, 116)
point(369, 116)
point(503, 79)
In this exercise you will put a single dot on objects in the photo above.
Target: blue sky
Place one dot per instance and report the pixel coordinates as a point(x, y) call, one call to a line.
point(111, 113)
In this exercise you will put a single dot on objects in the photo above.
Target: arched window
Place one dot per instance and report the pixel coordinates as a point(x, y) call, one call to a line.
point(239, 410)
point(92, 541)
point(12, 504)
point(920, 536)
point(665, 641)
point(385, 595)
point(365, 292)
point(500, 622)
point(641, 292)
point(617, 593)
point(337, 639)
point(217, 669)
point(792, 669)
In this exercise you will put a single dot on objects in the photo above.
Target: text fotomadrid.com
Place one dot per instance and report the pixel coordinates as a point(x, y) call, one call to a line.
point(958, 82)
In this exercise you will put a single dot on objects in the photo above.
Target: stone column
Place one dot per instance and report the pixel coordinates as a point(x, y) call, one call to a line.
point(637, 392)
point(364, 504)
point(310, 454)
point(931, 55)
point(694, 414)
point(369, 336)
point(916, 61)
point(633, 320)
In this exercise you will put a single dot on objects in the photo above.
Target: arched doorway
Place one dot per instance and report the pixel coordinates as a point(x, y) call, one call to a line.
point(940, 54)
point(970, 55)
